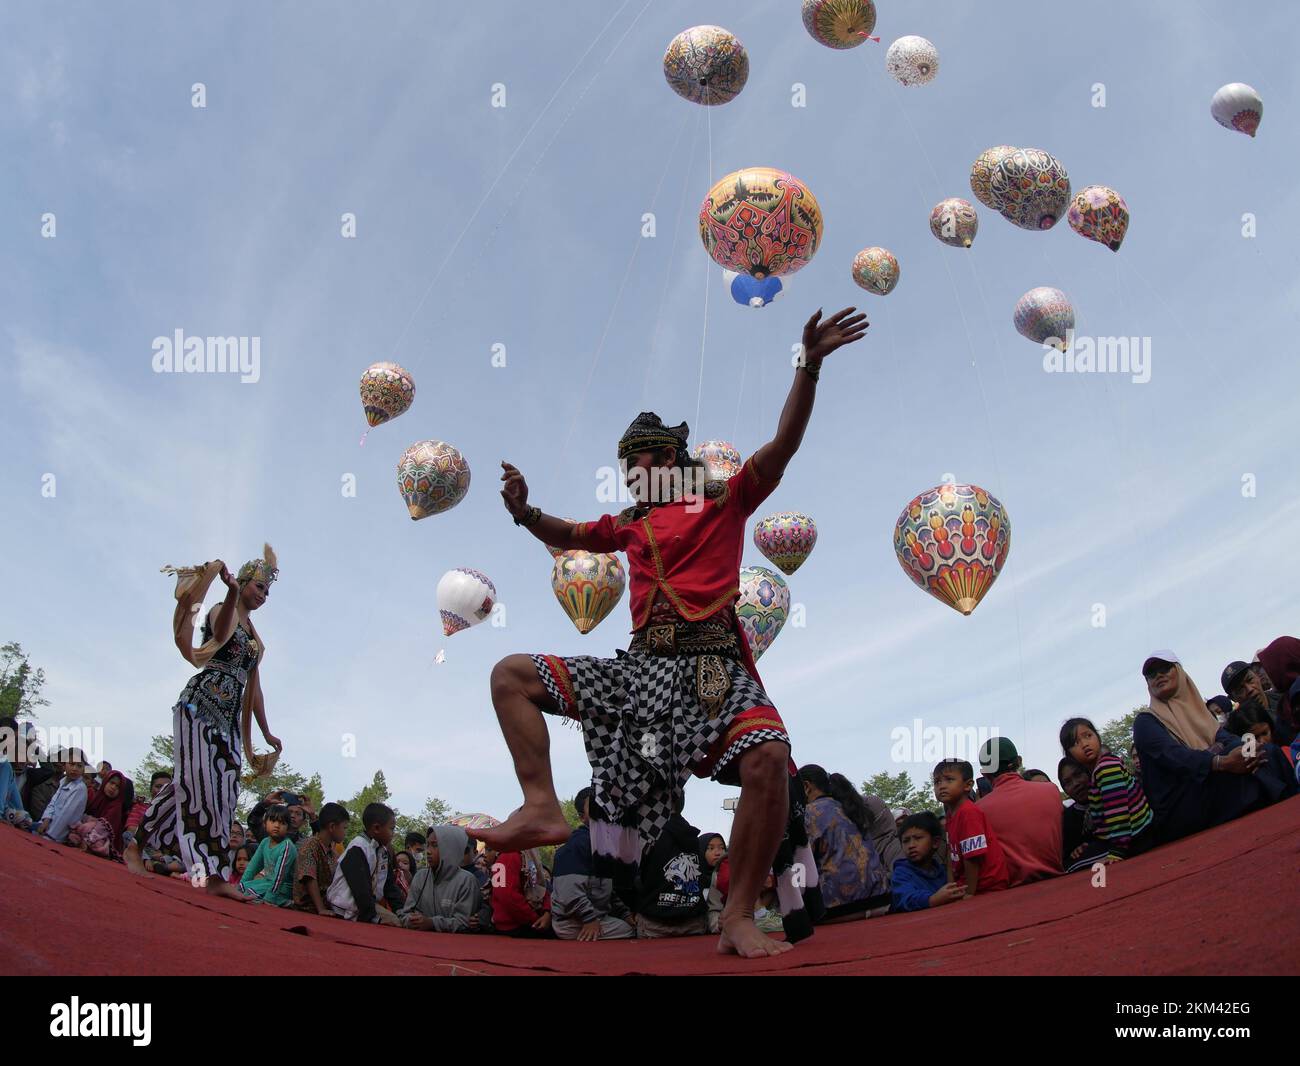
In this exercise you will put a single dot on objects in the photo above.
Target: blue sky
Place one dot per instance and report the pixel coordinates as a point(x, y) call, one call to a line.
point(521, 226)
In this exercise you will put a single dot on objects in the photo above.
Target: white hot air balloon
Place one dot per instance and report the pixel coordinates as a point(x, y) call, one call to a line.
point(465, 598)
point(912, 61)
point(1237, 107)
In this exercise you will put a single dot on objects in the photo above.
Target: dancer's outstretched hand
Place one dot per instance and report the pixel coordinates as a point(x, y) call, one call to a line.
point(515, 492)
point(820, 338)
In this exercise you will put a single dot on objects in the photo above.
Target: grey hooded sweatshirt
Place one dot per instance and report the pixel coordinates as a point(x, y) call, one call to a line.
point(447, 895)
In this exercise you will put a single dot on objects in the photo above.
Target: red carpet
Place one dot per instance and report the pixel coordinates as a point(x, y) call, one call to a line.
point(1222, 902)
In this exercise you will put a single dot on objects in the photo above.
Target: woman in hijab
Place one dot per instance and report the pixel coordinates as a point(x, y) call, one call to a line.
point(1281, 661)
point(1196, 774)
point(106, 810)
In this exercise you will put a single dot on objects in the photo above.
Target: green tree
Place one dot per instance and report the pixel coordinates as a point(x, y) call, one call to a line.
point(375, 792)
point(159, 757)
point(898, 790)
point(434, 812)
point(20, 685)
point(1118, 735)
point(283, 778)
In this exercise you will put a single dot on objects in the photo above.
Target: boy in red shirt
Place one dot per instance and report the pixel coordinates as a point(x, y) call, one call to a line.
point(971, 842)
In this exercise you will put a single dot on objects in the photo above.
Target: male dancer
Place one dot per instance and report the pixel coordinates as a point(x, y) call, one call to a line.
point(685, 696)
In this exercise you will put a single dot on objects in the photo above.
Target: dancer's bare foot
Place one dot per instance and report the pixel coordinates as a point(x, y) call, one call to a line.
point(742, 937)
point(134, 863)
point(217, 887)
point(531, 826)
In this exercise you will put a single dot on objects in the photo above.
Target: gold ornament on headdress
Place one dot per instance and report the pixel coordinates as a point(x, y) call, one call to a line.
point(263, 569)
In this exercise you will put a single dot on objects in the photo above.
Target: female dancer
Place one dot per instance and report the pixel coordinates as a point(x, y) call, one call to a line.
point(191, 817)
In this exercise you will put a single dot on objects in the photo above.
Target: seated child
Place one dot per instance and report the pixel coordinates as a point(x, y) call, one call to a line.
point(1117, 806)
point(977, 857)
point(1080, 847)
point(277, 856)
point(100, 830)
point(1241, 722)
point(443, 898)
point(670, 900)
point(584, 906)
point(920, 879)
point(482, 920)
point(68, 804)
point(240, 863)
point(317, 861)
point(357, 891)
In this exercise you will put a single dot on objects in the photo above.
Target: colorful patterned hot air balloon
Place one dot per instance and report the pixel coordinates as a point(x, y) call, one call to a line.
point(465, 598)
point(839, 23)
point(876, 270)
point(955, 222)
point(1101, 215)
point(432, 477)
point(750, 291)
point(1237, 107)
point(1031, 187)
point(912, 61)
point(706, 65)
point(1045, 315)
point(761, 222)
point(981, 174)
point(588, 585)
point(786, 539)
point(762, 608)
point(386, 392)
point(952, 541)
point(721, 460)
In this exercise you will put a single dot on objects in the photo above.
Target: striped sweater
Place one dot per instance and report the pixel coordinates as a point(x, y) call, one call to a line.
point(1117, 805)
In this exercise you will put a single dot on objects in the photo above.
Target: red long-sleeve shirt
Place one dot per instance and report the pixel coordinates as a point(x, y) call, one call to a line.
point(510, 909)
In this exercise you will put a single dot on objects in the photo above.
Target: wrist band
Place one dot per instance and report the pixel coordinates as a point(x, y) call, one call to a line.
point(530, 517)
point(813, 370)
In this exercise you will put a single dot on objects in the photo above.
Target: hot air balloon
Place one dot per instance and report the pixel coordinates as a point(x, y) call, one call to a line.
point(721, 460)
point(839, 23)
point(750, 291)
point(1045, 315)
point(762, 222)
point(981, 174)
point(912, 61)
point(762, 608)
point(955, 222)
point(1031, 187)
point(952, 541)
point(432, 477)
point(465, 598)
point(1237, 107)
point(706, 65)
point(1101, 215)
point(386, 392)
point(876, 270)
point(786, 539)
point(588, 585)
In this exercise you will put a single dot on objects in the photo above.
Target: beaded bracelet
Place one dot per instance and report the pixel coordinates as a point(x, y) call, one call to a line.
point(530, 517)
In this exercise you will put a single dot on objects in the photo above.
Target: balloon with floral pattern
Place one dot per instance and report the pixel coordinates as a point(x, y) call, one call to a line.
point(1101, 215)
point(706, 65)
point(588, 585)
point(840, 23)
point(912, 60)
point(1045, 315)
point(876, 270)
point(955, 222)
point(981, 174)
point(763, 607)
point(721, 459)
point(465, 598)
point(786, 539)
point(761, 221)
point(1032, 188)
point(952, 541)
point(387, 391)
point(432, 477)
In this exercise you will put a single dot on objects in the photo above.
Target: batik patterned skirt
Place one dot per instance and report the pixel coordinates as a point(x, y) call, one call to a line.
point(191, 817)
